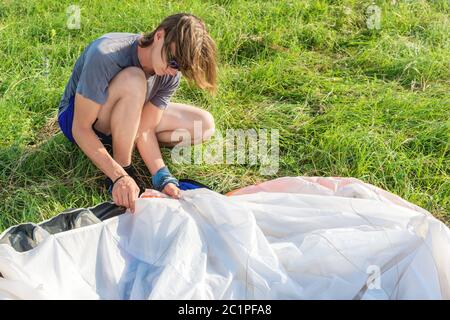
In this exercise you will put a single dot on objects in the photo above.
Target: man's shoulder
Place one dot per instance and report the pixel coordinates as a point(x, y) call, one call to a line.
point(168, 79)
point(165, 81)
point(119, 36)
point(112, 42)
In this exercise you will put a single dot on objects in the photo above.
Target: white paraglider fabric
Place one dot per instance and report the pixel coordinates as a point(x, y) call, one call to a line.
point(289, 238)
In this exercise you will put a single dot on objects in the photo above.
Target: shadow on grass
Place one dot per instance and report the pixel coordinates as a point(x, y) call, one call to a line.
point(43, 180)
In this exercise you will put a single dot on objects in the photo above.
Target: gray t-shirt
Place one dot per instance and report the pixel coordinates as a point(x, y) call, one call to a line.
point(102, 59)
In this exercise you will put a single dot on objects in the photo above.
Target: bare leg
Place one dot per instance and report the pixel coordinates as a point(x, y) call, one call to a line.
point(120, 116)
point(180, 116)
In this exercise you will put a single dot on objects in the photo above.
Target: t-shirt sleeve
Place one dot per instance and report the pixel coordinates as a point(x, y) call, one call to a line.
point(95, 76)
point(162, 97)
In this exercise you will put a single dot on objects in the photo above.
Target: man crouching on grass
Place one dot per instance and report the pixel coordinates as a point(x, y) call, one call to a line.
point(118, 97)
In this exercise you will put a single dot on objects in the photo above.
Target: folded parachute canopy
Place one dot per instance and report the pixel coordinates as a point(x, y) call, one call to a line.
point(288, 238)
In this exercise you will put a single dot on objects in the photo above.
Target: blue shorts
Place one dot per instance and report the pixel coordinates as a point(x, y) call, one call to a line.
point(65, 121)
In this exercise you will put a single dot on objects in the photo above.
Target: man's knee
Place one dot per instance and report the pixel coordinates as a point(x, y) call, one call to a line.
point(208, 127)
point(130, 82)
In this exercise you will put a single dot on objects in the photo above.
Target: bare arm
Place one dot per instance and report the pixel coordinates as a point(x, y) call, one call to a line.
point(147, 141)
point(85, 114)
point(148, 146)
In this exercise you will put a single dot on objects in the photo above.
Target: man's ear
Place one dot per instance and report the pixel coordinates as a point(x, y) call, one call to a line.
point(160, 34)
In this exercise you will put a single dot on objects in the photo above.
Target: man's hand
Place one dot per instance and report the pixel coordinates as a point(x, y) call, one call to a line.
point(125, 192)
point(172, 190)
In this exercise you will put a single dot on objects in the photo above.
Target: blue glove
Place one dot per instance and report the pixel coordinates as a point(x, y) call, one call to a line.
point(162, 177)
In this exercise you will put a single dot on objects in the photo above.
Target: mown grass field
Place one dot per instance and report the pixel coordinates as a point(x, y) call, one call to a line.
point(348, 100)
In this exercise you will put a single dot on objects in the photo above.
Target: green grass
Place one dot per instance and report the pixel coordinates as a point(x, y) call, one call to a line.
point(347, 101)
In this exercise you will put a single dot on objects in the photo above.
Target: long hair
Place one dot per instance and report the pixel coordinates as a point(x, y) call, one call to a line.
point(195, 50)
